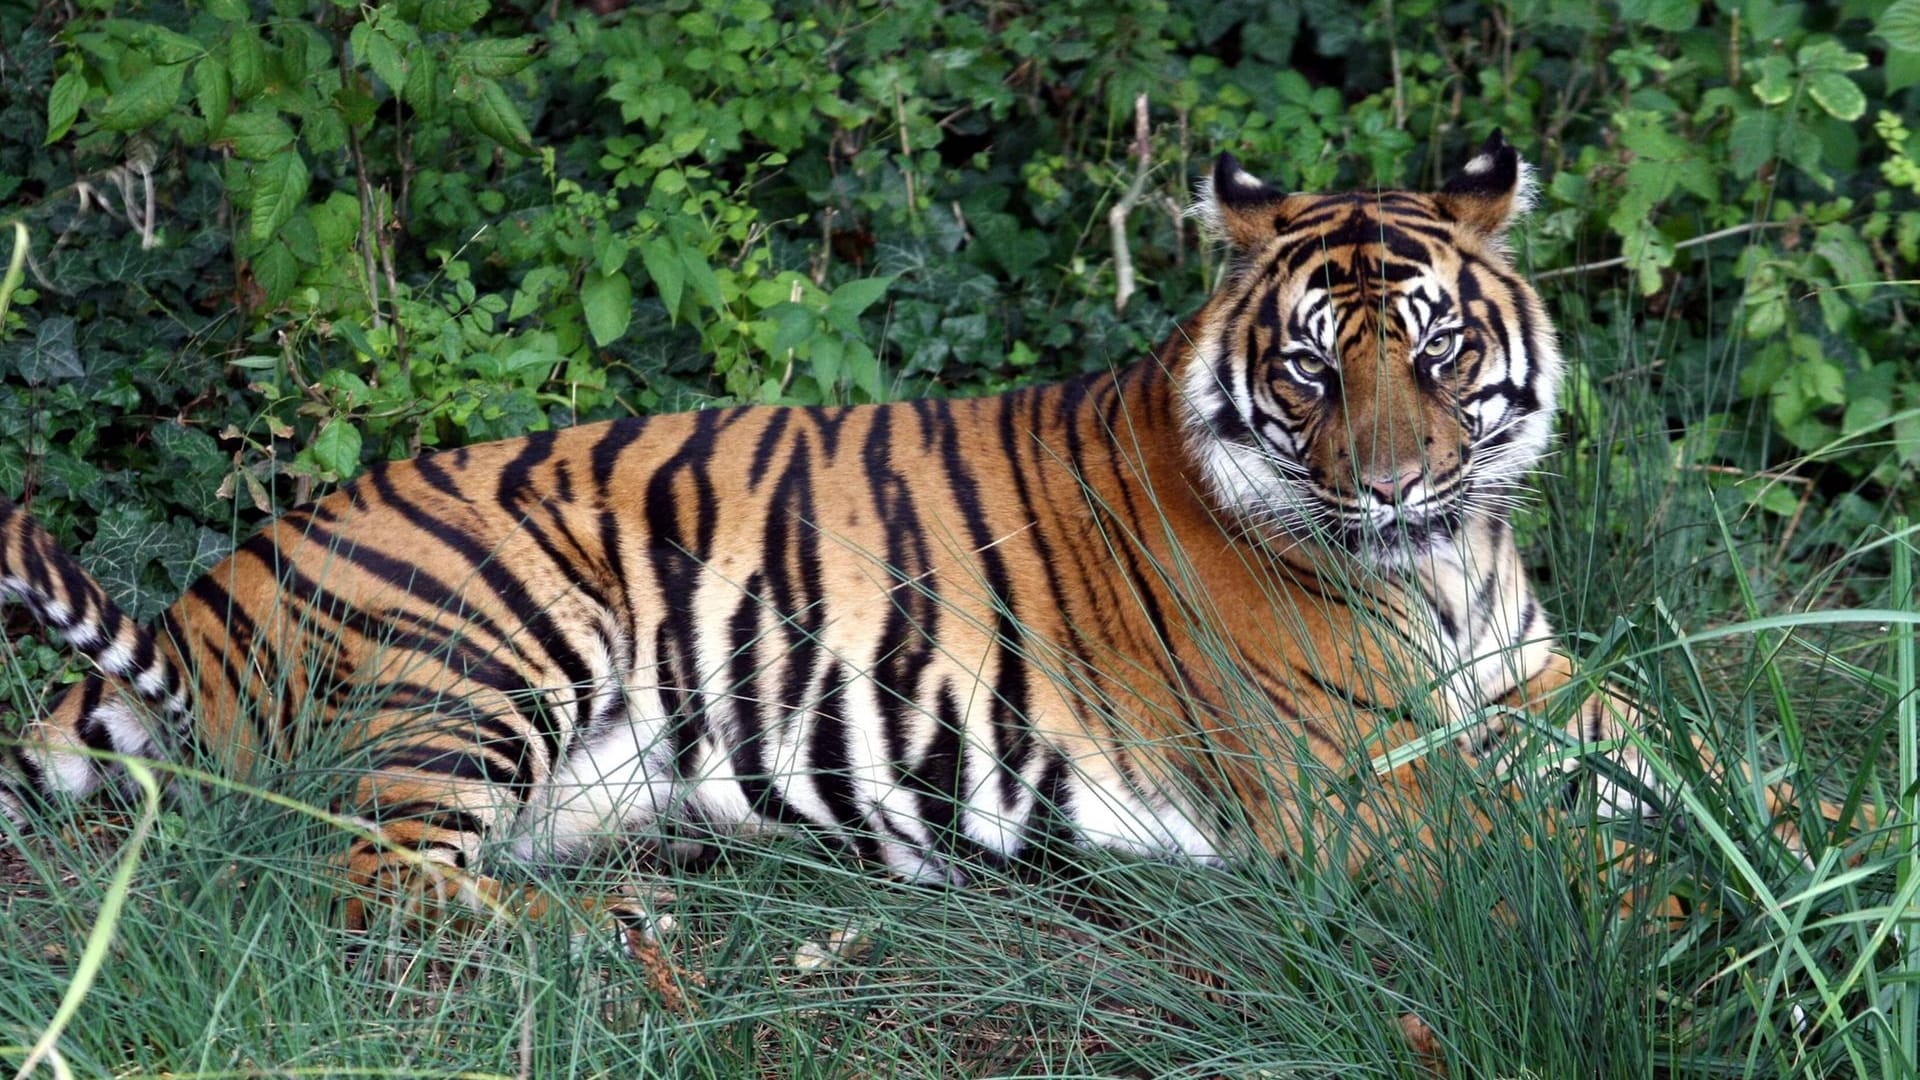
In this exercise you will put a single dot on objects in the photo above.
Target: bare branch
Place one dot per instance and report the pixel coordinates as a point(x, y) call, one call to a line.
point(1621, 260)
point(1117, 216)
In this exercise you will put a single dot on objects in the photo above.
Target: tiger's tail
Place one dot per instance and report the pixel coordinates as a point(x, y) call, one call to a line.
point(94, 715)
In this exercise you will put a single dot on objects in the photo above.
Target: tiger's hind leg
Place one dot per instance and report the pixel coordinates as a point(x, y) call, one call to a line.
point(444, 781)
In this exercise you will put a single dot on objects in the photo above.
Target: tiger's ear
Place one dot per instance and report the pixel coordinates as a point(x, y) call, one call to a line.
point(1236, 206)
point(1492, 191)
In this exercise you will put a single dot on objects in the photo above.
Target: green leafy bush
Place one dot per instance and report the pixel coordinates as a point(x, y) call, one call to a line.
point(272, 241)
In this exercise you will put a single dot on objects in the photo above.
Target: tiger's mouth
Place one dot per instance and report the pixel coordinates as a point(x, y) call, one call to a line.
point(1390, 532)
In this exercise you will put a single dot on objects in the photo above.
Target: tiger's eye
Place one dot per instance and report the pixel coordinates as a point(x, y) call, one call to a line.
point(1309, 365)
point(1442, 344)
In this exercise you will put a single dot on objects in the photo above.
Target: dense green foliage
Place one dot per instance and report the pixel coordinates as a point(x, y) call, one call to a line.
point(273, 241)
point(270, 241)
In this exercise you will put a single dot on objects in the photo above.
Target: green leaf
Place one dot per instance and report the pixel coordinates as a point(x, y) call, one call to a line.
point(705, 285)
point(665, 268)
point(451, 15)
point(226, 10)
point(1751, 140)
point(534, 289)
point(423, 89)
point(1775, 84)
point(127, 542)
point(1828, 55)
point(793, 325)
point(63, 104)
point(608, 302)
point(1906, 433)
point(143, 99)
point(494, 115)
point(1673, 15)
point(1903, 69)
point(213, 91)
point(864, 367)
point(828, 362)
point(337, 448)
point(277, 271)
point(382, 55)
point(495, 58)
point(256, 135)
point(1840, 245)
point(855, 297)
point(1900, 25)
point(246, 62)
point(1837, 94)
point(336, 222)
point(52, 357)
point(279, 189)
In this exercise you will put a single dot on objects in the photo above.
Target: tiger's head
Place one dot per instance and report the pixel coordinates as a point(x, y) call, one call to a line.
point(1372, 372)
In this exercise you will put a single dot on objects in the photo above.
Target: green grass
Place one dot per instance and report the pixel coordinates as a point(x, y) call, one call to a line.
point(1792, 657)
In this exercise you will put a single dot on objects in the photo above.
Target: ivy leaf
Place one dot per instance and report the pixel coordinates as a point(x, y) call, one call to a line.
point(1900, 25)
point(495, 116)
point(126, 545)
point(143, 99)
point(52, 356)
point(668, 274)
point(279, 189)
point(608, 302)
point(337, 448)
point(194, 466)
point(63, 104)
point(1837, 94)
point(495, 58)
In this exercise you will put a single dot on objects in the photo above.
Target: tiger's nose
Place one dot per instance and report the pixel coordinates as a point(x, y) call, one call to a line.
point(1392, 487)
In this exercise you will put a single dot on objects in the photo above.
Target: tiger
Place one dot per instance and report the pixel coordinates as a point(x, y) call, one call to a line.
point(1126, 610)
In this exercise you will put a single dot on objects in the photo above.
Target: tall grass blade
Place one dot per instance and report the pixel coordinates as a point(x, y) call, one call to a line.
point(94, 956)
point(1907, 1015)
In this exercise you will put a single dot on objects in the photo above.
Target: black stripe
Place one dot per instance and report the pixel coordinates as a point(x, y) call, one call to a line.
point(679, 563)
point(832, 765)
point(511, 591)
point(763, 449)
point(762, 790)
point(1013, 735)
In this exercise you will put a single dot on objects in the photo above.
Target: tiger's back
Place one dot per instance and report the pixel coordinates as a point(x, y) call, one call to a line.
point(934, 629)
